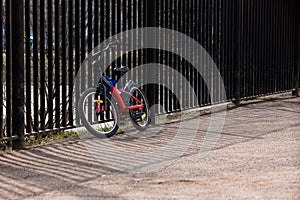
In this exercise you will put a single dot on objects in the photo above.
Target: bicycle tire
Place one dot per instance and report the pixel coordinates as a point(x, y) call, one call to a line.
point(90, 123)
point(140, 122)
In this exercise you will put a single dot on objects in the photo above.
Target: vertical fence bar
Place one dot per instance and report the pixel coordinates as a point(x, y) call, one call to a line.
point(83, 32)
point(42, 65)
point(266, 59)
point(96, 36)
point(108, 29)
point(238, 34)
point(184, 63)
point(28, 67)
point(168, 78)
point(255, 48)
point(166, 57)
point(77, 48)
point(187, 67)
point(282, 42)
point(244, 65)
point(102, 30)
point(57, 64)
point(129, 42)
point(118, 21)
point(261, 45)
point(290, 44)
point(77, 35)
point(90, 45)
point(82, 40)
point(284, 38)
point(63, 64)
point(1, 71)
point(219, 32)
point(204, 44)
point(297, 49)
point(113, 32)
point(124, 28)
point(263, 59)
point(231, 48)
point(151, 15)
point(170, 55)
point(18, 75)
point(129, 25)
point(8, 70)
point(256, 42)
point(277, 52)
point(161, 55)
point(177, 58)
point(90, 30)
point(193, 75)
point(50, 63)
point(71, 64)
point(139, 38)
point(200, 40)
point(245, 50)
point(181, 13)
point(166, 54)
point(35, 67)
point(134, 36)
point(212, 41)
point(223, 42)
point(251, 47)
point(196, 54)
point(208, 43)
point(96, 23)
point(216, 43)
point(102, 15)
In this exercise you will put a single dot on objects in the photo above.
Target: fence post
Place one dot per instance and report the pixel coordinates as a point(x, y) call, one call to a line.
point(237, 52)
point(8, 71)
point(151, 18)
point(17, 17)
point(297, 50)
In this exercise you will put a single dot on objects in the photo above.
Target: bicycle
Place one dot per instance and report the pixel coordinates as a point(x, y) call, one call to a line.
point(102, 106)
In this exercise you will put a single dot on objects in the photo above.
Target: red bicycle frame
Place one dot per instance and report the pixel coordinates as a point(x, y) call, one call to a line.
point(123, 107)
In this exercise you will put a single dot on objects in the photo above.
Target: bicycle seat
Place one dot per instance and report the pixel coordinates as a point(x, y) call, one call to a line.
point(122, 69)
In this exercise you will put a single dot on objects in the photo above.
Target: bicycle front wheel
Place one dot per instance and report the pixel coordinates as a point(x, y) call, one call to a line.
point(98, 113)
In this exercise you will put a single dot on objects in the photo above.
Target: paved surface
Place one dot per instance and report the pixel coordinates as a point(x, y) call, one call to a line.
point(257, 157)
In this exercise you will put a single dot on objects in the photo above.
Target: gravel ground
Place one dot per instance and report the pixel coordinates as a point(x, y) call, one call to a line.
point(257, 157)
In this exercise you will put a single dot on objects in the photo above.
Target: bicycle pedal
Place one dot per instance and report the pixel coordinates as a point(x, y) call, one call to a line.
point(143, 117)
point(138, 116)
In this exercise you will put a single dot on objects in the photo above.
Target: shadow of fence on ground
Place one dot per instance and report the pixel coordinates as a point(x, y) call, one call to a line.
point(66, 164)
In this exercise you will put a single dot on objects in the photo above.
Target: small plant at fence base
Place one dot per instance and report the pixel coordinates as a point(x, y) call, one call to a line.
point(44, 139)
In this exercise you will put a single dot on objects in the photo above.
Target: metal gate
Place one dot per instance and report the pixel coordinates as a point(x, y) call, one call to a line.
point(254, 43)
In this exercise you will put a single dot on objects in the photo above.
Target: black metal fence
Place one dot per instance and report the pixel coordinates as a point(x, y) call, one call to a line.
point(252, 42)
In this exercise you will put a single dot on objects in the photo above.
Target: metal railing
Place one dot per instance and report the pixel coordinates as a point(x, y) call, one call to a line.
point(253, 43)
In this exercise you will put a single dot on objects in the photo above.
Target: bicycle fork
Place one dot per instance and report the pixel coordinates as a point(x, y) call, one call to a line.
point(99, 104)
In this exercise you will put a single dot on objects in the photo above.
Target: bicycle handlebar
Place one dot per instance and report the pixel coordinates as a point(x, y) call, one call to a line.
point(114, 43)
point(108, 46)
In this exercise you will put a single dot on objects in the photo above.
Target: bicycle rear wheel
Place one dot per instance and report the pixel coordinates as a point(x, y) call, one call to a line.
point(140, 118)
point(97, 119)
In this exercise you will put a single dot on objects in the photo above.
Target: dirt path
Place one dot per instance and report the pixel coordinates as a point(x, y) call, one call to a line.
point(257, 157)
